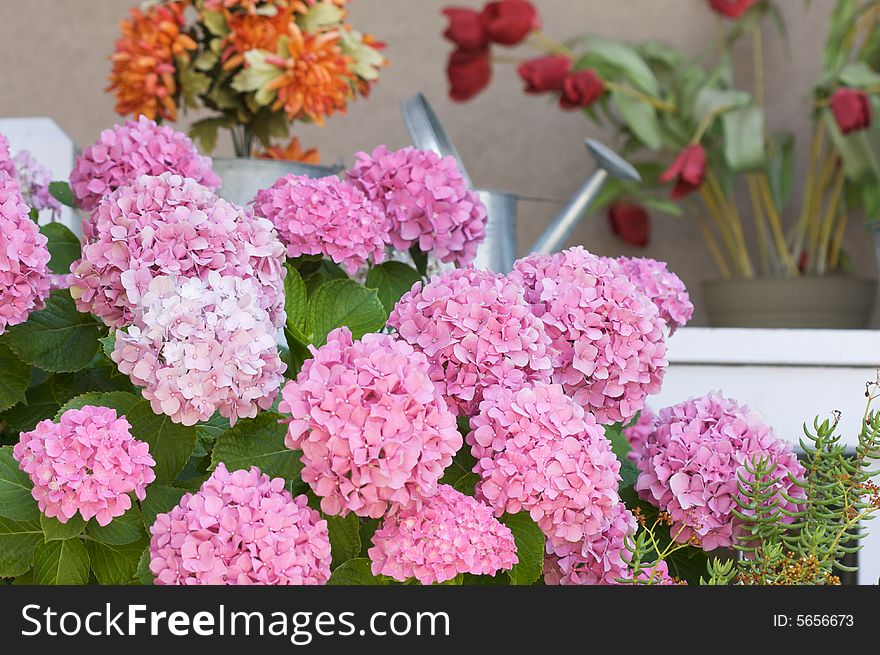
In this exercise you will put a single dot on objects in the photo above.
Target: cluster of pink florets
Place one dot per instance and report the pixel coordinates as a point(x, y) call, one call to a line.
point(691, 463)
point(170, 225)
point(325, 217)
point(372, 427)
point(450, 533)
point(240, 528)
point(597, 560)
point(24, 258)
point(87, 463)
point(34, 179)
point(6, 164)
point(202, 346)
point(476, 330)
point(538, 451)
point(126, 152)
point(608, 339)
point(663, 287)
point(426, 199)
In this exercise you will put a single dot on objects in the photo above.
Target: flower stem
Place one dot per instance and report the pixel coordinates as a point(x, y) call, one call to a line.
point(625, 89)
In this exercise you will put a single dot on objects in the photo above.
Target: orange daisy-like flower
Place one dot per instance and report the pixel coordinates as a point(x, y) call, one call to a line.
point(143, 75)
point(315, 79)
point(292, 152)
point(249, 31)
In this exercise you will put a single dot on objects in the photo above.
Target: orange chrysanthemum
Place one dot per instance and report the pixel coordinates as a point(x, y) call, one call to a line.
point(249, 31)
point(292, 152)
point(249, 6)
point(143, 75)
point(316, 79)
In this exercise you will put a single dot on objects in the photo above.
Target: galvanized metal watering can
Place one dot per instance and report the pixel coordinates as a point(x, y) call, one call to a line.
point(499, 251)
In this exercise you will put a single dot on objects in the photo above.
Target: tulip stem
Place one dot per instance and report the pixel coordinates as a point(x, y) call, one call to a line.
point(776, 225)
point(624, 89)
point(712, 243)
point(546, 42)
point(760, 224)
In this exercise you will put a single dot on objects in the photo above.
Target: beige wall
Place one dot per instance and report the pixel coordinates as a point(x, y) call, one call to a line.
point(507, 139)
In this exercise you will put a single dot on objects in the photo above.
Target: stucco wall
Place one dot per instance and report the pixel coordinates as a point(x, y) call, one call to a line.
point(507, 139)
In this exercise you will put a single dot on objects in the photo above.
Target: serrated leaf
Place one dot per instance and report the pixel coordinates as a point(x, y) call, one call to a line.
point(258, 442)
point(529, 548)
point(122, 530)
point(121, 401)
point(61, 563)
point(391, 280)
point(62, 192)
point(343, 303)
point(16, 501)
point(213, 427)
point(345, 537)
point(320, 272)
point(55, 530)
point(160, 499)
point(355, 572)
point(17, 542)
point(171, 444)
point(115, 564)
point(295, 302)
point(143, 574)
point(15, 378)
point(58, 338)
point(420, 259)
point(108, 345)
point(63, 245)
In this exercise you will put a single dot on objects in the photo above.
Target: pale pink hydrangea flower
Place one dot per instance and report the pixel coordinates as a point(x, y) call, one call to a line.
point(476, 330)
point(663, 287)
point(538, 451)
point(6, 164)
point(125, 152)
point(325, 217)
point(639, 433)
point(87, 463)
point(170, 225)
point(426, 199)
point(24, 258)
point(240, 528)
point(372, 427)
point(450, 534)
point(609, 343)
point(597, 560)
point(689, 467)
point(200, 347)
point(34, 179)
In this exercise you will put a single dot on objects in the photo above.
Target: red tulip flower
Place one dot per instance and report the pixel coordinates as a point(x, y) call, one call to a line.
point(466, 28)
point(630, 222)
point(469, 72)
point(581, 89)
point(852, 109)
point(687, 171)
point(732, 8)
point(544, 74)
point(509, 22)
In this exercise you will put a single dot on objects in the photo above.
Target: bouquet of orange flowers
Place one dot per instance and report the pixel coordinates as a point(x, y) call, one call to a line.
point(258, 65)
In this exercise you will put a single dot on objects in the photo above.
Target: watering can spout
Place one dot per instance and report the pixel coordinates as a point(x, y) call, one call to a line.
point(610, 164)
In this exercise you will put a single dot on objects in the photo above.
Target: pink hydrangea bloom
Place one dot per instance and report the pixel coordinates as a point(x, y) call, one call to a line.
point(597, 560)
point(6, 164)
point(200, 347)
point(451, 533)
point(34, 179)
point(88, 462)
point(426, 199)
point(663, 287)
point(24, 258)
point(325, 217)
point(639, 433)
point(170, 225)
point(689, 466)
point(240, 528)
point(476, 330)
point(372, 428)
point(608, 339)
point(125, 152)
point(539, 451)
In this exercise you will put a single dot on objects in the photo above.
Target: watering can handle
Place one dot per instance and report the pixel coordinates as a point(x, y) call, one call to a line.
point(610, 164)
